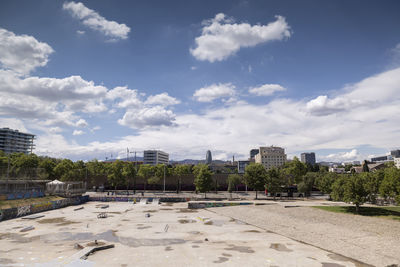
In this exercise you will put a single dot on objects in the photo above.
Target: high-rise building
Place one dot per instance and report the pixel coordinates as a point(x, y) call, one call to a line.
point(308, 158)
point(254, 152)
point(208, 157)
point(395, 153)
point(271, 156)
point(154, 157)
point(14, 141)
point(241, 164)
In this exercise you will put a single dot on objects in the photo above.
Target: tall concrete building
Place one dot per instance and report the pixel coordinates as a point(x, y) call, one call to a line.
point(308, 158)
point(271, 156)
point(14, 141)
point(395, 153)
point(254, 152)
point(208, 157)
point(154, 157)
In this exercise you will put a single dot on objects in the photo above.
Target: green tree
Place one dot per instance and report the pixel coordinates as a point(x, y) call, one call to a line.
point(307, 184)
point(355, 191)
point(324, 181)
point(146, 172)
point(129, 172)
point(273, 181)
point(338, 188)
point(390, 186)
point(25, 165)
point(97, 170)
point(179, 171)
point(255, 176)
point(64, 170)
point(203, 179)
point(48, 164)
point(233, 181)
point(115, 175)
point(294, 171)
point(373, 183)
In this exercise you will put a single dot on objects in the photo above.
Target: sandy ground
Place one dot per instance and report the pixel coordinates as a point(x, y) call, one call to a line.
point(372, 240)
point(171, 236)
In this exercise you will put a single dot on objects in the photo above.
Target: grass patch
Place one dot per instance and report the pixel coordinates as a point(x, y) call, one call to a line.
point(6, 204)
point(383, 212)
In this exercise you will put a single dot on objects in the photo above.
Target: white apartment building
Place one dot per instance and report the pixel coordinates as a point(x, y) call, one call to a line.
point(271, 156)
point(154, 157)
point(397, 162)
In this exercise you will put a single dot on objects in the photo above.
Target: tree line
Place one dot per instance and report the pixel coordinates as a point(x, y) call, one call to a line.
point(356, 188)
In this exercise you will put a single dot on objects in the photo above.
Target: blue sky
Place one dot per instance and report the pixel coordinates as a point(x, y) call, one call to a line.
point(92, 78)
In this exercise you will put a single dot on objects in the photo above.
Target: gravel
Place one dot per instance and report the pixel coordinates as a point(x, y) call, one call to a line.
point(374, 241)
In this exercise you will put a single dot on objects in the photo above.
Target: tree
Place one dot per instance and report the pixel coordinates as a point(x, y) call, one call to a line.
point(373, 183)
point(307, 184)
point(64, 170)
point(180, 170)
point(48, 165)
point(294, 171)
point(115, 175)
point(96, 171)
point(324, 181)
point(338, 188)
point(273, 182)
point(129, 172)
point(255, 176)
point(25, 165)
point(203, 179)
point(233, 181)
point(390, 186)
point(355, 191)
point(146, 172)
point(365, 166)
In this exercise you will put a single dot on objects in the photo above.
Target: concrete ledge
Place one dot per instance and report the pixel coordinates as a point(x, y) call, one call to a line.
point(137, 199)
point(213, 204)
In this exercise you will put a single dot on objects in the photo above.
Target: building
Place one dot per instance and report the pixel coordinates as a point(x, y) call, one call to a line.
point(271, 156)
point(308, 158)
point(253, 153)
point(397, 162)
point(395, 153)
point(382, 158)
point(14, 141)
point(154, 157)
point(208, 157)
point(337, 170)
point(241, 165)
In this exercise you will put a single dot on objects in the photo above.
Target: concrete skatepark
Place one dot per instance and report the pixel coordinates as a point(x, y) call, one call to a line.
point(167, 234)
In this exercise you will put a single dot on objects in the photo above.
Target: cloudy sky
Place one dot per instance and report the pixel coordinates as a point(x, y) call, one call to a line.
point(93, 78)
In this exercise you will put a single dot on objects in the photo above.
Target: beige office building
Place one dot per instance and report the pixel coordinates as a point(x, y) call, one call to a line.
point(271, 156)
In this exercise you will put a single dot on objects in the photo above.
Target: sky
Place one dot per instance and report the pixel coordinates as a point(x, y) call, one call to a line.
point(93, 78)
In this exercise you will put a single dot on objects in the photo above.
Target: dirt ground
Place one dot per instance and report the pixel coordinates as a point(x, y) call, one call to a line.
point(152, 235)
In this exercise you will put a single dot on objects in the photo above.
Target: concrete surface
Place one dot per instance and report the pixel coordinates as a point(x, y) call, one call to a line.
point(171, 236)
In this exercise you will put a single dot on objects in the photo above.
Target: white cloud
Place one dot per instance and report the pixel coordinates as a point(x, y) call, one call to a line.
point(49, 100)
point(215, 91)
point(12, 123)
point(81, 123)
point(266, 89)
point(96, 22)
point(22, 53)
point(80, 32)
point(371, 92)
point(283, 122)
point(126, 98)
point(222, 38)
point(148, 117)
point(162, 99)
point(342, 156)
point(78, 132)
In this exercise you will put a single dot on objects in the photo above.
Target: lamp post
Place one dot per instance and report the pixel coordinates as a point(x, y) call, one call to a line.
point(164, 179)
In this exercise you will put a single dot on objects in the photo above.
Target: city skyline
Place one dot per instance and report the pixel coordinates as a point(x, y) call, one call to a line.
point(91, 78)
